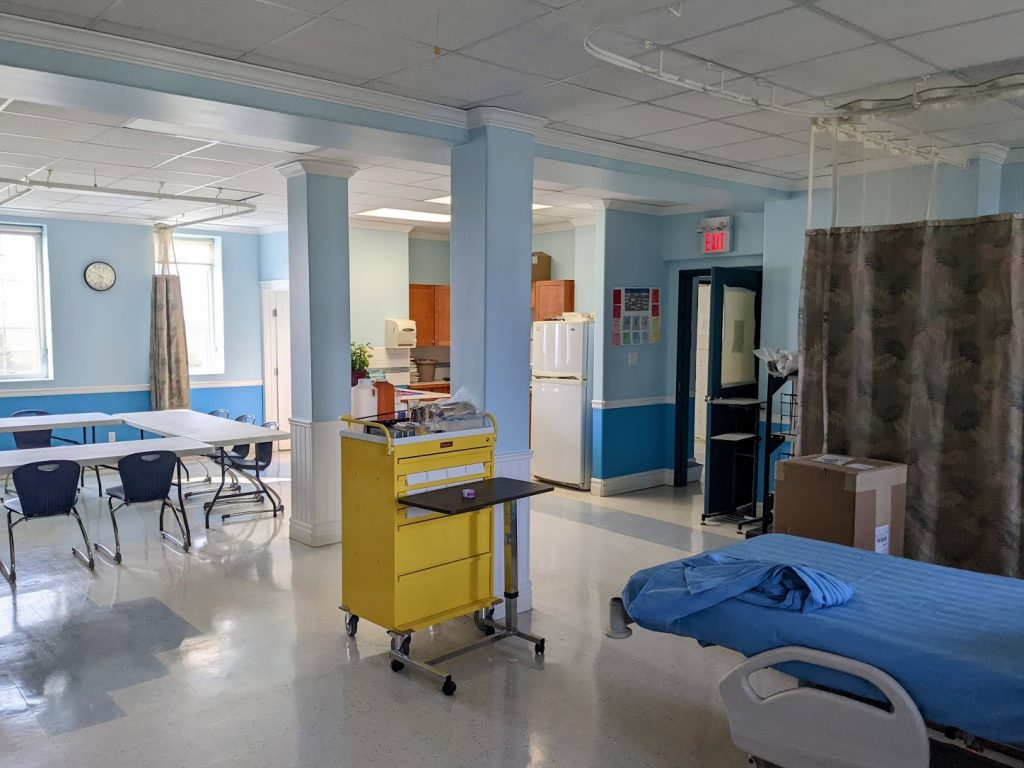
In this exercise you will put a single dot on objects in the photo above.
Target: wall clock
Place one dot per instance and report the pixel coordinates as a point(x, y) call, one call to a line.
point(100, 276)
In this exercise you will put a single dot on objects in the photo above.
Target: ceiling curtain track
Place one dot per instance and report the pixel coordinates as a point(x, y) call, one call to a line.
point(168, 347)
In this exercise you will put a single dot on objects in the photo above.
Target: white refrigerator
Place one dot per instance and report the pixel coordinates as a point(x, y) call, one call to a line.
point(560, 421)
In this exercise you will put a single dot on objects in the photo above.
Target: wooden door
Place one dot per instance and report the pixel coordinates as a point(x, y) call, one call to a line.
point(421, 311)
point(442, 315)
point(552, 298)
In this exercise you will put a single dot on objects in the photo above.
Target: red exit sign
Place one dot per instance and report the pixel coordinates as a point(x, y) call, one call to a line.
point(716, 235)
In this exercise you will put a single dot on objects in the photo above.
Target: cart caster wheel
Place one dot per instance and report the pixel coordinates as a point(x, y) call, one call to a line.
point(396, 665)
point(404, 647)
point(539, 648)
point(448, 688)
point(352, 625)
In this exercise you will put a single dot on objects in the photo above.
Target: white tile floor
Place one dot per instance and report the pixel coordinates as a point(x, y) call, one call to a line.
point(235, 655)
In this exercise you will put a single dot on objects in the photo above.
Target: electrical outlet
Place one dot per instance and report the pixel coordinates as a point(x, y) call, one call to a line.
point(111, 437)
point(631, 359)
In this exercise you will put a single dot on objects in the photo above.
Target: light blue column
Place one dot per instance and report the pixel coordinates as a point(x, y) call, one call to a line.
point(318, 286)
point(492, 234)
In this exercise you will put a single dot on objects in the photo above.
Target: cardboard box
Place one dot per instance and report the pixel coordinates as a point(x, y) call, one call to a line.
point(857, 502)
point(541, 267)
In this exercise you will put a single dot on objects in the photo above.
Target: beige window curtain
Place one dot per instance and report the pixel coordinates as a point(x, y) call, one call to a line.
point(912, 339)
point(168, 350)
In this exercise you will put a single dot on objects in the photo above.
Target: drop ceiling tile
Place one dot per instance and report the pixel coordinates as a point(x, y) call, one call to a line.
point(592, 133)
point(848, 70)
point(553, 186)
point(64, 113)
point(30, 145)
point(143, 185)
point(316, 7)
point(898, 89)
point(45, 128)
point(130, 138)
point(138, 158)
point(349, 157)
point(758, 149)
point(775, 41)
point(394, 175)
point(702, 136)
point(965, 116)
point(70, 177)
point(971, 44)
point(636, 120)
point(550, 45)
point(436, 186)
point(217, 168)
point(234, 153)
point(698, 17)
point(450, 24)
point(384, 189)
point(226, 25)
point(61, 11)
point(458, 77)
point(701, 104)
point(1009, 133)
point(770, 122)
point(342, 51)
point(560, 101)
point(432, 169)
point(624, 83)
point(797, 163)
point(106, 170)
point(890, 19)
point(189, 180)
point(23, 162)
point(415, 93)
point(612, 12)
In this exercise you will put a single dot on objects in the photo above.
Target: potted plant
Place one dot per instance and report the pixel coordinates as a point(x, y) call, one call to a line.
point(360, 361)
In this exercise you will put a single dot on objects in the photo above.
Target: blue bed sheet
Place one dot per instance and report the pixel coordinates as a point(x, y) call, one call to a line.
point(953, 639)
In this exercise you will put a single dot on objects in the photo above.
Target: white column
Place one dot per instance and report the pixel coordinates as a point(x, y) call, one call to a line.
point(318, 279)
point(492, 237)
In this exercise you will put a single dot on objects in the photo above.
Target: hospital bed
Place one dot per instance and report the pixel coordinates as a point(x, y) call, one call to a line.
point(943, 647)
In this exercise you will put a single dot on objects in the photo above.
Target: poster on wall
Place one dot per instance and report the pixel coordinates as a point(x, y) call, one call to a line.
point(636, 316)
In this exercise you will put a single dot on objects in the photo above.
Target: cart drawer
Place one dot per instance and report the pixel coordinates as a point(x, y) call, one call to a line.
point(441, 589)
point(441, 540)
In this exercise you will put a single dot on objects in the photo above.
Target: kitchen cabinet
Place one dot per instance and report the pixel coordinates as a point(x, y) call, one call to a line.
point(430, 309)
point(551, 298)
point(432, 386)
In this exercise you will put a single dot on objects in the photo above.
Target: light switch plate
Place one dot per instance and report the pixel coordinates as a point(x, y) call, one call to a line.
point(631, 359)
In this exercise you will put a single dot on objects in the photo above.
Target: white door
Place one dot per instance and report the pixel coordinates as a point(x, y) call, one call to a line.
point(277, 366)
point(558, 424)
point(559, 349)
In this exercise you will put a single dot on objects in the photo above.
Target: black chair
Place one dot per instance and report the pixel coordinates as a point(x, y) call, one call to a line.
point(237, 451)
point(45, 489)
point(43, 438)
point(220, 413)
point(252, 469)
point(145, 477)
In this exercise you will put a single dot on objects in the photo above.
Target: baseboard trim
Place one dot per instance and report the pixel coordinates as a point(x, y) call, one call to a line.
point(612, 486)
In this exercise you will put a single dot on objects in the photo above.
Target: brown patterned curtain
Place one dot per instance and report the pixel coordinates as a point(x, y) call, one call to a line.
point(168, 351)
point(912, 339)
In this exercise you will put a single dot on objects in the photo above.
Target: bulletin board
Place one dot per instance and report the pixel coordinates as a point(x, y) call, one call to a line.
point(636, 316)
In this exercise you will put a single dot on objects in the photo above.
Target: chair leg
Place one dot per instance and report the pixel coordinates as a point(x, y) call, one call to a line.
point(5, 569)
point(99, 483)
point(87, 559)
point(116, 554)
point(179, 517)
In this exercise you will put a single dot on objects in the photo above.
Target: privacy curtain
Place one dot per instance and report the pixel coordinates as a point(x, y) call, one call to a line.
point(168, 351)
point(912, 339)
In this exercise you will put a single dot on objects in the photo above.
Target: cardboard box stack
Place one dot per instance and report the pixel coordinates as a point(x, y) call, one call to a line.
point(857, 502)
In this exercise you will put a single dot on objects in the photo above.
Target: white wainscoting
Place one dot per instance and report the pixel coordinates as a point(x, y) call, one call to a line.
point(316, 482)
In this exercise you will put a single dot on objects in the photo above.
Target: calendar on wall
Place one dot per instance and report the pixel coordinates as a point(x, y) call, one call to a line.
point(636, 316)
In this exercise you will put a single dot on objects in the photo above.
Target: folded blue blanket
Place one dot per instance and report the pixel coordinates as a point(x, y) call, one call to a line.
point(657, 597)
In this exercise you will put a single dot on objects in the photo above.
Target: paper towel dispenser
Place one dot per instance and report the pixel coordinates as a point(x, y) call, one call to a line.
point(399, 334)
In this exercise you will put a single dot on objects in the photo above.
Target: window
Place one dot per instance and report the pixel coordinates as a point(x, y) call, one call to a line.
point(24, 305)
point(202, 298)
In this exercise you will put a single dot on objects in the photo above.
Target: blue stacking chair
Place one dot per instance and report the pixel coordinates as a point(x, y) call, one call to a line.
point(220, 413)
point(45, 489)
point(237, 451)
point(43, 438)
point(146, 476)
point(251, 468)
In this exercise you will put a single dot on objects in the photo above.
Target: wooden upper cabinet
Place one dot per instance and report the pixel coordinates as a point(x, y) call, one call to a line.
point(421, 311)
point(442, 315)
point(552, 297)
point(430, 308)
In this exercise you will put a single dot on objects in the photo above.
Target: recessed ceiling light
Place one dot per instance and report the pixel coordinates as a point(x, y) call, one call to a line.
point(447, 200)
point(398, 213)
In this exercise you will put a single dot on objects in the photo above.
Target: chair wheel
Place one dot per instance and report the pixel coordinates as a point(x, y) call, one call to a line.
point(352, 625)
point(539, 648)
point(397, 666)
point(448, 687)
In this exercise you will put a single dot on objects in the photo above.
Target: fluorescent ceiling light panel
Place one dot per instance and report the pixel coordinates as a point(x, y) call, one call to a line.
point(447, 200)
point(398, 213)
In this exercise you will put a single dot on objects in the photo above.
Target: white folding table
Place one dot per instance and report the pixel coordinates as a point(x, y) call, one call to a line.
point(96, 454)
point(214, 431)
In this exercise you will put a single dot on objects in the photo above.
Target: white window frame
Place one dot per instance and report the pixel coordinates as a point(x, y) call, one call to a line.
point(45, 371)
point(217, 306)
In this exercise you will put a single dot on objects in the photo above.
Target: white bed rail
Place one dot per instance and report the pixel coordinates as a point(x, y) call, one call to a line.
point(812, 728)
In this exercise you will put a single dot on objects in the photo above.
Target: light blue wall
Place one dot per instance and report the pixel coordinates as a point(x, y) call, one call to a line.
point(429, 261)
point(379, 274)
point(274, 256)
point(561, 247)
point(584, 265)
point(680, 239)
